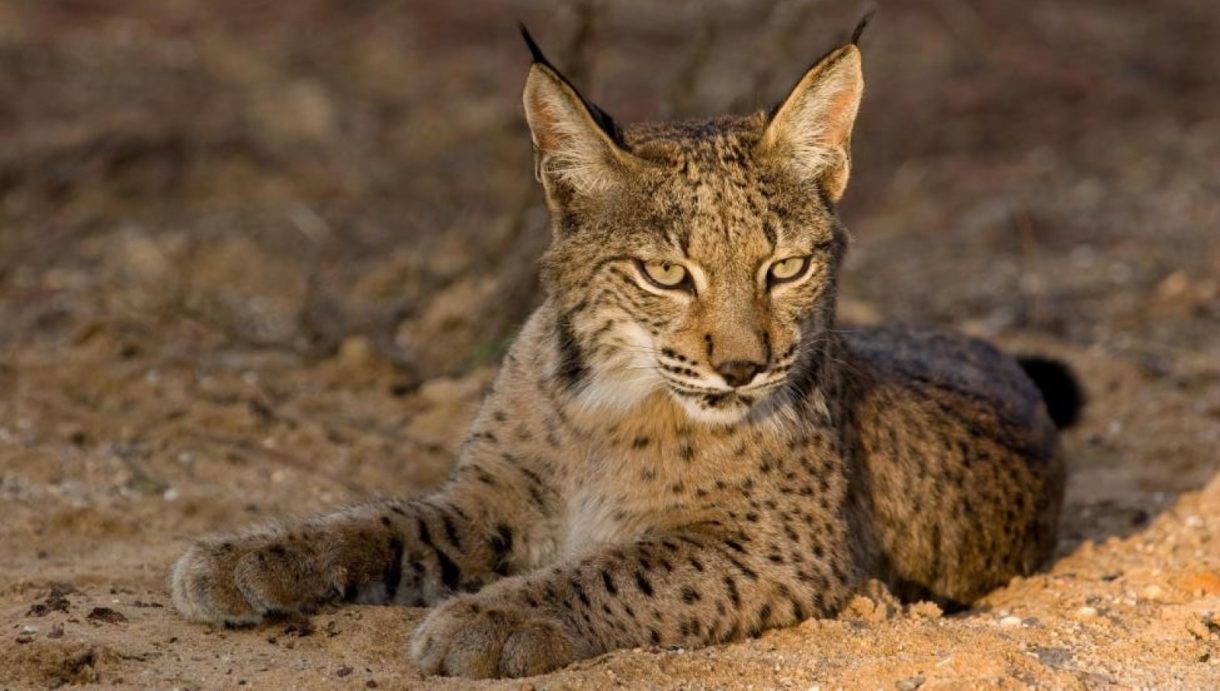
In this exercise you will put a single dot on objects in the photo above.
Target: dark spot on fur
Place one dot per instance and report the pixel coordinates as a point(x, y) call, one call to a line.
point(451, 575)
point(643, 583)
point(734, 595)
point(608, 581)
point(764, 613)
point(393, 570)
point(501, 549)
point(571, 370)
point(580, 594)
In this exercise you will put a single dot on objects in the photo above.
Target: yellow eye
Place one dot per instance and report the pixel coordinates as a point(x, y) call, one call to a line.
point(787, 269)
point(664, 274)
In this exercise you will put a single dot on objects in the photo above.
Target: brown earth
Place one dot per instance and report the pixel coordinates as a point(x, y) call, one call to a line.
point(258, 259)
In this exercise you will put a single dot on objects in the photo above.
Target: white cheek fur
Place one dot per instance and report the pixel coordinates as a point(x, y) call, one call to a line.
point(627, 376)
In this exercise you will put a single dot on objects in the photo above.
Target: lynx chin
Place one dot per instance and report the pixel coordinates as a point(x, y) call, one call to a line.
point(681, 448)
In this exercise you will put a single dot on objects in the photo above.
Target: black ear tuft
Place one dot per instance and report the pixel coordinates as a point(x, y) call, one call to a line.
point(535, 51)
point(855, 34)
point(601, 117)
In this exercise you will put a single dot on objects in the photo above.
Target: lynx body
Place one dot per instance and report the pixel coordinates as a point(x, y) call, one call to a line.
point(681, 448)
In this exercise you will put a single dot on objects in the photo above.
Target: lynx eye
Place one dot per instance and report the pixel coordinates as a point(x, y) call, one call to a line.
point(786, 270)
point(664, 274)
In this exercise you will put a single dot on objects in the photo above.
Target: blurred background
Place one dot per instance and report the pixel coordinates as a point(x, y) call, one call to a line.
point(285, 175)
point(261, 257)
point(240, 194)
point(199, 191)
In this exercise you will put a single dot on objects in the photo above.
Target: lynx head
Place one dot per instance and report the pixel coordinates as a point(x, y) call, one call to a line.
point(695, 259)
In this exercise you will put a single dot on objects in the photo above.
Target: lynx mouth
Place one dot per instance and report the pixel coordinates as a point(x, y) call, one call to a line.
point(721, 407)
point(727, 400)
point(721, 404)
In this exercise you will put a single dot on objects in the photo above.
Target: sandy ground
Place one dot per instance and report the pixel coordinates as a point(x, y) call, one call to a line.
point(257, 260)
point(95, 514)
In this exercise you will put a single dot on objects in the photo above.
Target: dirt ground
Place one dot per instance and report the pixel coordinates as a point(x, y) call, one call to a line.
point(258, 259)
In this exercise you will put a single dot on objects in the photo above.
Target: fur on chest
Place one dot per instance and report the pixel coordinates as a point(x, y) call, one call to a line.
point(654, 471)
point(648, 483)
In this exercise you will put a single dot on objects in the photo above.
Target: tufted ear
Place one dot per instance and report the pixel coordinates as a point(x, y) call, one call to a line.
point(577, 146)
point(811, 129)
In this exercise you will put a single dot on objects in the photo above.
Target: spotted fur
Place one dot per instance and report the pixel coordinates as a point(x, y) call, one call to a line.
point(691, 465)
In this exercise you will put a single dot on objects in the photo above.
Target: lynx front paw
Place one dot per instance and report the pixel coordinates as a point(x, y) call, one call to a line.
point(241, 581)
point(478, 638)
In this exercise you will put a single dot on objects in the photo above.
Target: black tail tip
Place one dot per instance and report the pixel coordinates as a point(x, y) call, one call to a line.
point(1060, 389)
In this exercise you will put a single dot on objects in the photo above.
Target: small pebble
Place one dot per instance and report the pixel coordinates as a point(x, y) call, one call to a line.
point(1010, 620)
point(924, 610)
point(1086, 612)
point(1153, 592)
point(1194, 521)
point(106, 615)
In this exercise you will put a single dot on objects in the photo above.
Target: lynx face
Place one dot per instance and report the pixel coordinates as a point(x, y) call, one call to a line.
point(696, 259)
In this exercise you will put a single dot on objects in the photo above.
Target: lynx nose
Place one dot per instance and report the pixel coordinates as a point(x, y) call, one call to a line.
point(738, 372)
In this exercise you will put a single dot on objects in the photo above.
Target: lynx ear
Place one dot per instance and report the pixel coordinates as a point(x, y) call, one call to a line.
point(577, 148)
point(812, 127)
